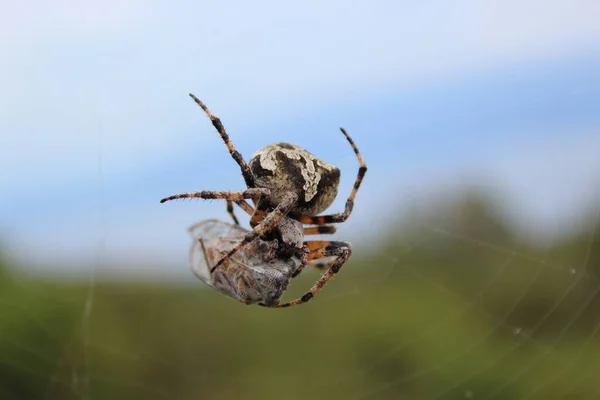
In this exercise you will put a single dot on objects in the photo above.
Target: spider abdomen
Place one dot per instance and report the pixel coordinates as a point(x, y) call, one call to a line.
point(282, 167)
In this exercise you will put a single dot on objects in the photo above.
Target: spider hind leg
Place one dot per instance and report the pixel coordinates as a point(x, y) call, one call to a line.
point(253, 193)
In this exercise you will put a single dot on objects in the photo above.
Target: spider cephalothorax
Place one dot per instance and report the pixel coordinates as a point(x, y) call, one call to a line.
point(289, 186)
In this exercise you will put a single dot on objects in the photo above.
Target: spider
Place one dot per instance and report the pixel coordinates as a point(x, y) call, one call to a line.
point(259, 273)
point(286, 182)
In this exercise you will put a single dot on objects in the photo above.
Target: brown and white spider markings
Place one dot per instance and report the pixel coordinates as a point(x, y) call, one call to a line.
point(285, 181)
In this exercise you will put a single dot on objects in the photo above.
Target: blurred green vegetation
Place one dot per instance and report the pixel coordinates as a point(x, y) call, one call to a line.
point(450, 305)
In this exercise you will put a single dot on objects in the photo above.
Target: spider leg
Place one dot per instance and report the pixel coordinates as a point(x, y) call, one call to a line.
point(316, 250)
point(262, 206)
point(340, 250)
point(243, 205)
point(253, 193)
point(246, 173)
point(266, 225)
point(321, 266)
point(316, 230)
point(231, 212)
point(314, 264)
point(341, 217)
point(256, 194)
point(320, 230)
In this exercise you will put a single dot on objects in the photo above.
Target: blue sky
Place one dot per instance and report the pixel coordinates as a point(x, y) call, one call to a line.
point(97, 126)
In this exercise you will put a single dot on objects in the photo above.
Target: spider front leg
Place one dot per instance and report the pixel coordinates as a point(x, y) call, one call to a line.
point(322, 249)
point(254, 193)
point(246, 173)
point(268, 224)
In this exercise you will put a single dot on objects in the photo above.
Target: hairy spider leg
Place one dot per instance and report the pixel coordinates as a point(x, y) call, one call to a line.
point(246, 173)
point(231, 212)
point(243, 205)
point(341, 217)
point(320, 249)
point(267, 225)
point(320, 230)
point(262, 206)
point(254, 193)
point(316, 251)
point(321, 265)
point(317, 230)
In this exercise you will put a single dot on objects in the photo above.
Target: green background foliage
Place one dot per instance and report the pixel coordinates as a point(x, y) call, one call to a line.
point(450, 305)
